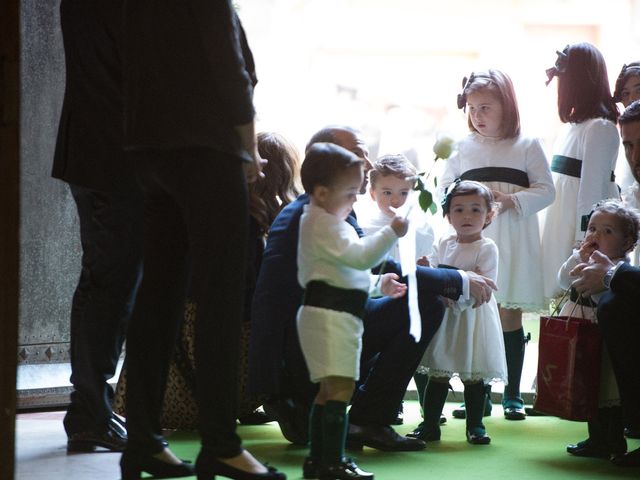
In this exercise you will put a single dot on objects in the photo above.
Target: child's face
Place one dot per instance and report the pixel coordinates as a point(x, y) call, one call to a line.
point(485, 111)
point(605, 234)
point(630, 90)
point(390, 191)
point(468, 214)
point(338, 199)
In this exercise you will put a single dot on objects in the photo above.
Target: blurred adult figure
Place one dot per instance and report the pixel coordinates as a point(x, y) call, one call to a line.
point(90, 158)
point(189, 130)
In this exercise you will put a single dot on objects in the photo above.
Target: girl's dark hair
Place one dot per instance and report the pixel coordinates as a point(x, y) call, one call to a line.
point(583, 87)
point(461, 188)
point(279, 186)
point(324, 163)
point(628, 70)
point(500, 86)
point(629, 218)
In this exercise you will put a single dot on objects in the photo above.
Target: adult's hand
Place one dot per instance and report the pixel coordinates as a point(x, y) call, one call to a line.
point(247, 134)
point(391, 287)
point(590, 275)
point(480, 288)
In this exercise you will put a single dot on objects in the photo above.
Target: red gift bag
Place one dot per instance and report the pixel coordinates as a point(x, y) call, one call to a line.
point(569, 361)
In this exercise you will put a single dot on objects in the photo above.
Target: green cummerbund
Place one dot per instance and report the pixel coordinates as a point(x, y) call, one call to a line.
point(322, 295)
point(570, 166)
point(497, 174)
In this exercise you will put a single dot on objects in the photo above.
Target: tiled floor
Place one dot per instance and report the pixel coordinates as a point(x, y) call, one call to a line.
point(41, 452)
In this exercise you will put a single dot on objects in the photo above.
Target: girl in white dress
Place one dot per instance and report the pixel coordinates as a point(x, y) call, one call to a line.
point(333, 264)
point(612, 230)
point(584, 157)
point(469, 341)
point(515, 168)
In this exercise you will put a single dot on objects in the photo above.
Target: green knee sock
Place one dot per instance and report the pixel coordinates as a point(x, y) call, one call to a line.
point(514, 343)
point(315, 431)
point(334, 428)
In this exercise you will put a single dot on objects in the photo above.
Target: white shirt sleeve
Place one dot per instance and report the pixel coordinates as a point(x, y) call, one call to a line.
point(541, 192)
point(600, 153)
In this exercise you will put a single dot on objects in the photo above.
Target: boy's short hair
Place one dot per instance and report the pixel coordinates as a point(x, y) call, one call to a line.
point(629, 217)
point(324, 163)
point(391, 165)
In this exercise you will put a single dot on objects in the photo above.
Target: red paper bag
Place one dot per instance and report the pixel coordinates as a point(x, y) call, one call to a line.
point(568, 367)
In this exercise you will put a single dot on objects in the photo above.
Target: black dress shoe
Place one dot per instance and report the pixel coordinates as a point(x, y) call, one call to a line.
point(132, 464)
point(382, 438)
point(257, 417)
point(478, 436)
point(292, 417)
point(114, 438)
point(629, 459)
point(311, 467)
point(207, 467)
point(631, 432)
point(345, 470)
point(425, 434)
point(587, 448)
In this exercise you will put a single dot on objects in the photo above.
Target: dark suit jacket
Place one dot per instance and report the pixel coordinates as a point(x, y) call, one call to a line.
point(197, 83)
point(626, 281)
point(274, 352)
point(89, 145)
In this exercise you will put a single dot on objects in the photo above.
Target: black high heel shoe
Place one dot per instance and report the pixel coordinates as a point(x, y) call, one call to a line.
point(207, 467)
point(133, 464)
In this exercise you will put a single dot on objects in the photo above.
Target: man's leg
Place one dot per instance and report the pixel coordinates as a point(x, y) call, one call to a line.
point(111, 237)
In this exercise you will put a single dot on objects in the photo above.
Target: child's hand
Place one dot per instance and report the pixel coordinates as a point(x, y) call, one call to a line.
point(400, 225)
point(587, 247)
point(504, 200)
point(423, 261)
point(391, 287)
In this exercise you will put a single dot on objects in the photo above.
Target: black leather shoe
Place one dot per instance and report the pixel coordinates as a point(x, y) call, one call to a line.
point(425, 434)
point(132, 464)
point(478, 436)
point(257, 417)
point(382, 438)
point(345, 470)
point(586, 448)
point(514, 408)
point(292, 417)
point(114, 438)
point(629, 459)
point(631, 432)
point(207, 467)
point(311, 468)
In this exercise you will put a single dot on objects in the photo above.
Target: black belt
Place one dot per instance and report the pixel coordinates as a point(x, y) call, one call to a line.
point(322, 295)
point(497, 174)
point(570, 166)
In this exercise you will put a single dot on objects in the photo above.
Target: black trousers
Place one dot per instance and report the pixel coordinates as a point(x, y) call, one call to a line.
point(195, 237)
point(619, 320)
point(111, 237)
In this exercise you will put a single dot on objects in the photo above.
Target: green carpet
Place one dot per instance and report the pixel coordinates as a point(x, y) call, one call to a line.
point(529, 449)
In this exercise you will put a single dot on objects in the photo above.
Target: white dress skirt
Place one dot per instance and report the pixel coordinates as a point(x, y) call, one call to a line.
point(469, 343)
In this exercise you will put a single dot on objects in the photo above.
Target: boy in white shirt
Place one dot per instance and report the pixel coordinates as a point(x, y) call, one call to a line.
point(333, 266)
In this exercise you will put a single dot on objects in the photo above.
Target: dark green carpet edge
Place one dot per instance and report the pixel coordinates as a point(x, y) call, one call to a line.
point(520, 450)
